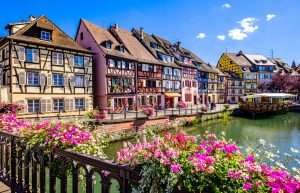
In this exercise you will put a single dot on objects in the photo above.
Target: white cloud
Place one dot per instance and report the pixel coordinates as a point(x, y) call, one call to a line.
point(237, 34)
point(247, 26)
point(270, 17)
point(221, 37)
point(201, 36)
point(226, 5)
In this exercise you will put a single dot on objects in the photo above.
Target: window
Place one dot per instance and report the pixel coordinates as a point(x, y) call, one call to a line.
point(58, 79)
point(58, 105)
point(33, 78)
point(79, 81)
point(108, 44)
point(188, 98)
point(45, 35)
point(111, 63)
point(122, 49)
point(81, 35)
point(79, 103)
point(177, 72)
point(57, 58)
point(33, 106)
point(78, 61)
point(154, 45)
point(32, 55)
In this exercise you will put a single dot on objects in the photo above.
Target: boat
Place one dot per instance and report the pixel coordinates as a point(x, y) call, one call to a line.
point(264, 104)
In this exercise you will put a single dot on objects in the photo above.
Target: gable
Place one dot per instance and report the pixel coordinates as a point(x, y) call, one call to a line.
point(31, 33)
point(226, 64)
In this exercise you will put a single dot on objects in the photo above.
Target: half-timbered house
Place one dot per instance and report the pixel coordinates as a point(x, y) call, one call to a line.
point(171, 72)
point(114, 68)
point(45, 70)
point(149, 69)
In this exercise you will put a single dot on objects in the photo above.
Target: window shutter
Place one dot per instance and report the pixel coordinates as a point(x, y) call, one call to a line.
point(71, 60)
point(144, 83)
point(49, 105)
point(23, 104)
point(49, 79)
point(21, 53)
point(22, 78)
point(72, 81)
point(86, 81)
point(158, 84)
point(66, 80)
point(86, 104)
point(43, 105)
point(67, 106)
point(54, 58)
point(86, 62)
point(43, 79)
point(71, 104)
point(36, 56)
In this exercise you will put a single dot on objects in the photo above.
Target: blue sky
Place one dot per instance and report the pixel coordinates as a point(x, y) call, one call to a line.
point(196, 23)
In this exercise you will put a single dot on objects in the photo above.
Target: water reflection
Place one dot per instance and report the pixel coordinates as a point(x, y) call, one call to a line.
point(282, 131)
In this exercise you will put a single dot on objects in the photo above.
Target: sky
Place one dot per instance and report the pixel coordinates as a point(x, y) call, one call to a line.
point(207, 27)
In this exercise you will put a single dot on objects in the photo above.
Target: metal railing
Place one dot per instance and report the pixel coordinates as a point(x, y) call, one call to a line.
point(37, 170)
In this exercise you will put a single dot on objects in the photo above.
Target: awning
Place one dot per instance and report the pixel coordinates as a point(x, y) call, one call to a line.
point(172, 94)
point(270, 95)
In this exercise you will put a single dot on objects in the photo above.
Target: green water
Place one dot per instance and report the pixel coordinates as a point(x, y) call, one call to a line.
point(283, 131)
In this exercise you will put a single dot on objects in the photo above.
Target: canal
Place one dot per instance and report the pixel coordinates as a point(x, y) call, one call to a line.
point(283, 131)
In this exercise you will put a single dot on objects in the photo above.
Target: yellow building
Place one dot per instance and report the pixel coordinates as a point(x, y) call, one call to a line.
point(44, 70)
point(239, 65)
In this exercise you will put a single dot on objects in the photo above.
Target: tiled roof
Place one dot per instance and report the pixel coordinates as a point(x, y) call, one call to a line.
point(280, 64)
point(258, 59)
point(59, 38)
point(147, 39)
point(134, 46)
point(232, 76)
point(102, 35)
point(239, 59)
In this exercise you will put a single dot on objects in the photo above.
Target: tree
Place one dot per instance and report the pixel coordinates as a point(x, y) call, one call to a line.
point(294, 65)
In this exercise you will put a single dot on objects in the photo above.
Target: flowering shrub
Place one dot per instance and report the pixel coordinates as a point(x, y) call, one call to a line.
point(181, 105)
point(206, 165)
point(10, 108)
point(54, 134)
point(10, 124)
point(149, 111)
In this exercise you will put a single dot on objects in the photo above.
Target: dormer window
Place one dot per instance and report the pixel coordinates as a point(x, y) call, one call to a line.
point(121, 48)
point(45, 35)
point(108, 44)
point(154, 45)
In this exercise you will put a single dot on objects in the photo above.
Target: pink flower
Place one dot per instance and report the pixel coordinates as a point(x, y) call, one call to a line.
point(175, 168)
point(247, 186)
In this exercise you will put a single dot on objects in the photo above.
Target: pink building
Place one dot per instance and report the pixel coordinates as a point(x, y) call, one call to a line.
point(118, 57)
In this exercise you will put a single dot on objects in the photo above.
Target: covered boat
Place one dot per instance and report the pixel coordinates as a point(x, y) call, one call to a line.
point(266, 103)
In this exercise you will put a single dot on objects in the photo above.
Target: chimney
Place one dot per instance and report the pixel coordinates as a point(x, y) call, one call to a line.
point(178, 45)
point(115, 27)
point(240, 53)
point(141, 33)
point(32, 18)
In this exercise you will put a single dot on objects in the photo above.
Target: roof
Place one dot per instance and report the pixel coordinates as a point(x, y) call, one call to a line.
point(280, 64)
point(232, 76)
point(258, 59)
point(271, 95)
point(101, 35)
point(146, 39)
point(239, 59)
point(59, 38)
point(134, 46)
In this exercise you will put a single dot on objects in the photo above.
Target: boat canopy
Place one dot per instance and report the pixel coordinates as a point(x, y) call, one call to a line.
point(270, 95)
